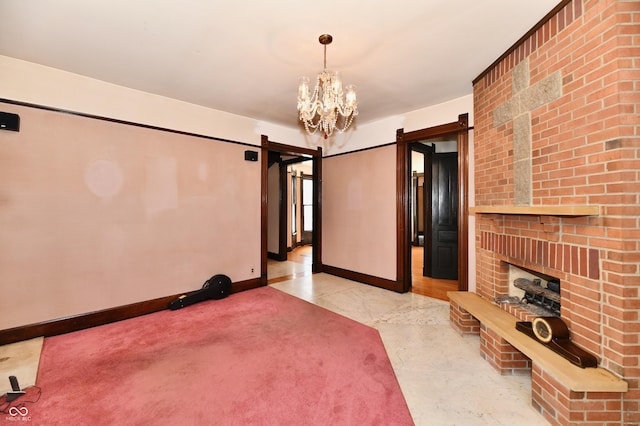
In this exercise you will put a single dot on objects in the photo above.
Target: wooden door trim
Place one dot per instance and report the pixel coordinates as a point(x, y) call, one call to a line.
point(304, 176)
point(403, 221)
point(316, 156)
point(425, 150)
point(282, 210)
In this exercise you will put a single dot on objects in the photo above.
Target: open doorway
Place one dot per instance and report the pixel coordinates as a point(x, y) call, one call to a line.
point(445, 227)
point(291, 208)
point(433, 202)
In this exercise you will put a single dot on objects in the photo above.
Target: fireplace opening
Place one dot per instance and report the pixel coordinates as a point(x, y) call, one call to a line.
point(536, 292)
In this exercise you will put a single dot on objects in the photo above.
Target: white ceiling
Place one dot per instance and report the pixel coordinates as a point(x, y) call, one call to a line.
point(245, 57)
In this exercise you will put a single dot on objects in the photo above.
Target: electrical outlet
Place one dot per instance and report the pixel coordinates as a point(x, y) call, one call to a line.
point(252, 270)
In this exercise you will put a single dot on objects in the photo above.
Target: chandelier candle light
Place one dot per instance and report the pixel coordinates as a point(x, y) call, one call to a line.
point(325, 108)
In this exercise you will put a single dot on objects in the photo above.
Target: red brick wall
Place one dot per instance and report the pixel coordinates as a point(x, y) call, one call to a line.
point(463, 321)
point(501, 355)
point(589, 408)
point(585, 151)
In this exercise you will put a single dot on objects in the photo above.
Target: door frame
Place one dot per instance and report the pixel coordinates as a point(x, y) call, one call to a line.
point(304, 177)
point(427, 184)
point(316, 156)
point(285, 210)
point(403, 186)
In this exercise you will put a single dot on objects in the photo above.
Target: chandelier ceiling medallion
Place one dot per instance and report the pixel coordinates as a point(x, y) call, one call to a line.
point(328, 107)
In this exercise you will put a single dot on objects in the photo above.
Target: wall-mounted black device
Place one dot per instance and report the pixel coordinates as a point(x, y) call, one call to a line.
point(251, 155)
point(9, 121)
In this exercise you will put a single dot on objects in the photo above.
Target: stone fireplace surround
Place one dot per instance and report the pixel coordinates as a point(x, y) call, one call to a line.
point(557, 172)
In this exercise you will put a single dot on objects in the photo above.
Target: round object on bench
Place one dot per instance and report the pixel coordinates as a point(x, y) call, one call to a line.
point(548, 328)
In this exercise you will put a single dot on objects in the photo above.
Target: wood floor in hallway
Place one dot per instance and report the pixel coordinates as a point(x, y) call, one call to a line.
point(426, 286)
point(301, 254)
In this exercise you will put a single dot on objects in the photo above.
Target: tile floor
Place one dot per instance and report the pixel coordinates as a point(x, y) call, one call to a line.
point(442, 376)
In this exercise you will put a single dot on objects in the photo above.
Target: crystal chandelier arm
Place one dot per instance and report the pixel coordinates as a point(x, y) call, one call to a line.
point(328, 101)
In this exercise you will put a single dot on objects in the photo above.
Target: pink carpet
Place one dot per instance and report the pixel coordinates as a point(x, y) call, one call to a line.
point(259, 357)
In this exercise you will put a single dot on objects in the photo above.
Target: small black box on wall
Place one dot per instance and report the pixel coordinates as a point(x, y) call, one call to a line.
point(251, 155)
point(9, 121)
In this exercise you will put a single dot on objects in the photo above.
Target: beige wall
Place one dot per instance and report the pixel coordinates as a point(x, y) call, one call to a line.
point(359, 212)
point(95, 214)
point(33, 83)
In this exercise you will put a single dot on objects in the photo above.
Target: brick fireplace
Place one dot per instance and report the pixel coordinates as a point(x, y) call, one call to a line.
point(557, 184)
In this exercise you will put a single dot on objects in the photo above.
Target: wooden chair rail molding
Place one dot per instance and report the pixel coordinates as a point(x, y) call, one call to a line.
point(538, 210)
point(503, 323)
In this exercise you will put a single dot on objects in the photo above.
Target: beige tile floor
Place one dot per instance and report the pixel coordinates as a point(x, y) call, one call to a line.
point(442, 376)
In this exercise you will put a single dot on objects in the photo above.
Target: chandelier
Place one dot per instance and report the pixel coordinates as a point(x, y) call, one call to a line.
point(327, 108)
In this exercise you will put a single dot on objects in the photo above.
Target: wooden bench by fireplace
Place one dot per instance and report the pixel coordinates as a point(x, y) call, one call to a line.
point(560, 390)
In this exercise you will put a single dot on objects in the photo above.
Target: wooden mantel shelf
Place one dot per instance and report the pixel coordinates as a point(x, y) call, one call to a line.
point(538, 210)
